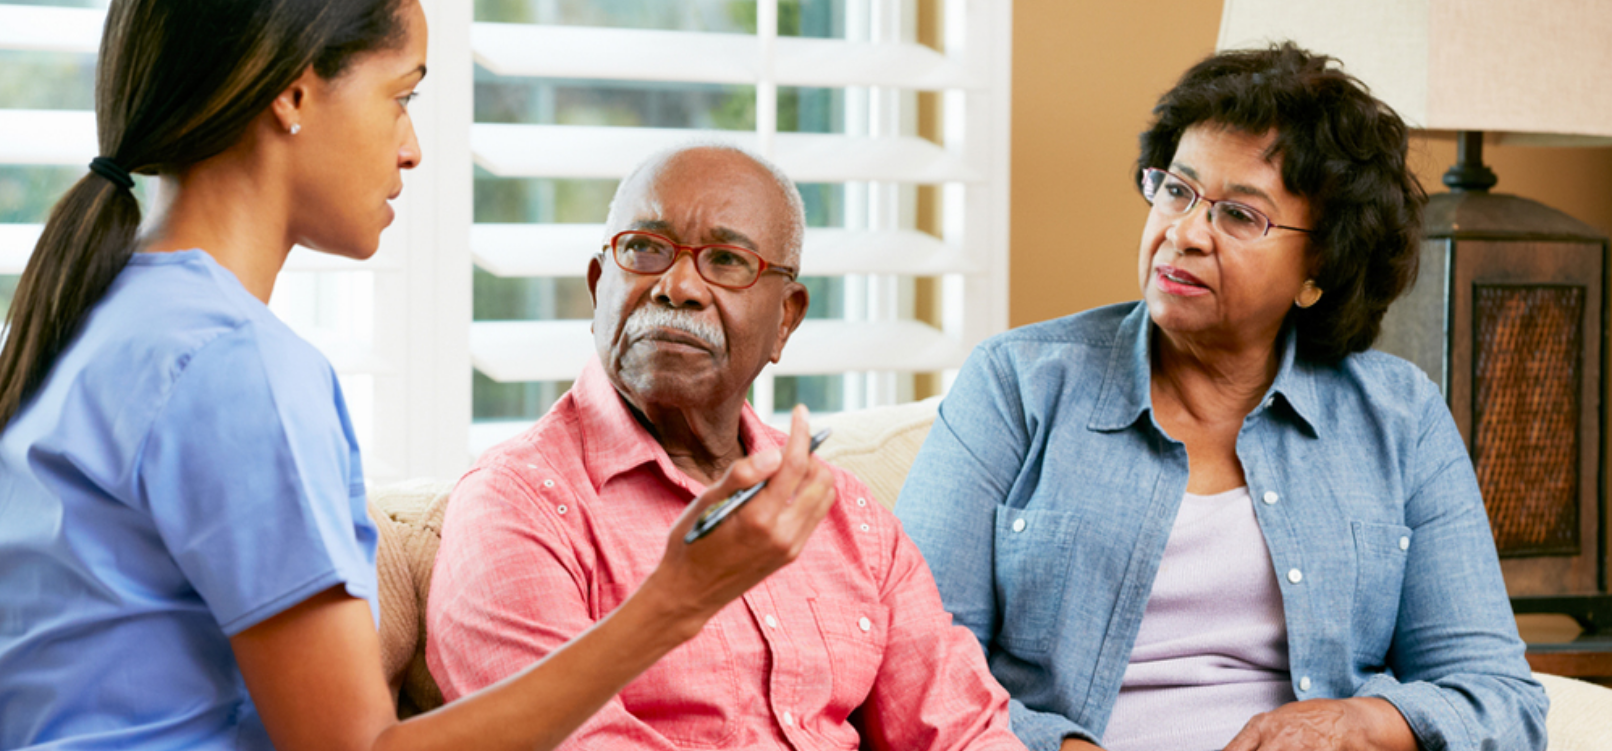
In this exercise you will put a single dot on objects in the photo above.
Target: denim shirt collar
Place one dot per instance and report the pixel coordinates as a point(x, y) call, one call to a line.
point(1127, 384)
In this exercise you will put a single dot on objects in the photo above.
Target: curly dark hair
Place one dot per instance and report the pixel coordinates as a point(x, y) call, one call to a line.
point(1342, 150)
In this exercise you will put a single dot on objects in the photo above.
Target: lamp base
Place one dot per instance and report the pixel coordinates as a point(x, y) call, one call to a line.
point(1509, 317)
point(1469, 173)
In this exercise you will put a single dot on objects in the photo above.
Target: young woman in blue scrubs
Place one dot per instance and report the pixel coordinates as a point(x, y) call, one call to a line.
point(185, 560)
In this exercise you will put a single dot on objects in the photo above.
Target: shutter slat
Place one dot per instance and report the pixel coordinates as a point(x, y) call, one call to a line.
point(614, 54)
point(833, 63)
point(17, 243)
point(563, 250)
point(697, 57)
point(517, 351)
point(48, 29)
point(578, 151)
point(63, 138)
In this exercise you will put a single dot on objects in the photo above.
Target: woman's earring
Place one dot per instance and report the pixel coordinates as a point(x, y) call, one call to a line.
point(1309, 294)
point(296, 128)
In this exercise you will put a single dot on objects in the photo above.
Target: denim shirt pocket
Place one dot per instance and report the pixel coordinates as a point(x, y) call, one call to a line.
point(1034, 553)
point(1380, 552)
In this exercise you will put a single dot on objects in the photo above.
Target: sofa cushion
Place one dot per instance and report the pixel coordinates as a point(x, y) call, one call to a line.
point(878, 444)
point(1580, 717)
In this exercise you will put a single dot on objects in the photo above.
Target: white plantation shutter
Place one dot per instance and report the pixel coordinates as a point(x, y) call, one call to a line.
point(877, 157)
point(399, 327)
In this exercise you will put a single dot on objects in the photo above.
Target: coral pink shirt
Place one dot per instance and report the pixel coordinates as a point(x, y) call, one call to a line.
point(552, 530)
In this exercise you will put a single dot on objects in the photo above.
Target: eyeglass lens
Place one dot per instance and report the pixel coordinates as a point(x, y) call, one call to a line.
point(1172, 195)
point(723, 265)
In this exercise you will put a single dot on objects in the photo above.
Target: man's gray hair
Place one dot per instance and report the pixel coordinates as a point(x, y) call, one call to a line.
point(793, 239)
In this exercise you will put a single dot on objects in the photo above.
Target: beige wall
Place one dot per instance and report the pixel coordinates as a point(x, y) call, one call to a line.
point(1086, 75)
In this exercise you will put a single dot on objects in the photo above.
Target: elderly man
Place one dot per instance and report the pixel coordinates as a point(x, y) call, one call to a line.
point(848, 647)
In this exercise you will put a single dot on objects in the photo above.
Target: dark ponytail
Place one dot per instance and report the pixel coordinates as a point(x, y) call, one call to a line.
point(177, 82)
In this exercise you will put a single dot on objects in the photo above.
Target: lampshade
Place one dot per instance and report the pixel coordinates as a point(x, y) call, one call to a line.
point(1533, 71)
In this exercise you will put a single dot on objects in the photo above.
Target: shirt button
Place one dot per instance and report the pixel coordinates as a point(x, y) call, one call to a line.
point(789, 720)
point(865, 624)
point(548, 483)
point(1404, 543)
point(1018, 525)
point(1270, 497)
point(1304, 683)
point(531, 466)
point(861, 501)
point(771, 622)
point(1294, 575)
point(1270, 401)
point(562, 509)
point(866, 528)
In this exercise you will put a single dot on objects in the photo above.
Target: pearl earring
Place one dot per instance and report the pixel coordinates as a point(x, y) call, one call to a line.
point(296, 128)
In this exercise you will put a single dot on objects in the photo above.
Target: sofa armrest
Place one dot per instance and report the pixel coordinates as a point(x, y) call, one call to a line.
point(408, 518)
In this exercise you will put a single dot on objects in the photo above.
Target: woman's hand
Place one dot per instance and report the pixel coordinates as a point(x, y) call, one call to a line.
point(1327, 725)
point(761, 537)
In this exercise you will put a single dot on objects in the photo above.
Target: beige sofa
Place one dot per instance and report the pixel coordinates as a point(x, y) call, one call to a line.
point(879, 445)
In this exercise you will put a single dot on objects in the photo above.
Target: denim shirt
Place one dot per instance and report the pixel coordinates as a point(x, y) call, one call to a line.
point(1046, 490)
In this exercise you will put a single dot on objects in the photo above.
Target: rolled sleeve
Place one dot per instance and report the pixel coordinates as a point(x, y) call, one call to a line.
point(1045, 731)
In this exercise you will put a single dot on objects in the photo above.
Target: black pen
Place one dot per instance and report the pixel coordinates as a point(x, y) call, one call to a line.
point(715, 514)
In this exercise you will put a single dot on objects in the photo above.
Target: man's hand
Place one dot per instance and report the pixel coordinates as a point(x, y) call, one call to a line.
point(1327, 725)
point(767, 533)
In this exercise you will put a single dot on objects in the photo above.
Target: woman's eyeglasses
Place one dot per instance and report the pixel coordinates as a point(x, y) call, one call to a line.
point(1172, 195)
point(727, 266)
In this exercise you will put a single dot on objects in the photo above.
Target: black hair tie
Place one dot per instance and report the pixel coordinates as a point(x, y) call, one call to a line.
point(111, 171)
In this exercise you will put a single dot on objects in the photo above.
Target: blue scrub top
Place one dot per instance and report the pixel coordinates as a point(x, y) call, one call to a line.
point(186, 471)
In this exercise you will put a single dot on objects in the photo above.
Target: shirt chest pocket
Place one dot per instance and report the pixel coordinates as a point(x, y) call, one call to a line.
point(854, 635)
point(1380, 553)
point(1034, 552)
point(690, 696)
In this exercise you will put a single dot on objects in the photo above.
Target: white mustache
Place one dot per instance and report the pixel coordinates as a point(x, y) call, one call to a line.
point(650, 317)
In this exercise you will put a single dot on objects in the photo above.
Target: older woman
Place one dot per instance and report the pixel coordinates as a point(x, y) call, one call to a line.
point(1214, 518)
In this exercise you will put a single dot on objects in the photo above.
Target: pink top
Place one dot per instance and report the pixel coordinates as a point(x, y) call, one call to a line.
point(553, 529)
point(1212, 649)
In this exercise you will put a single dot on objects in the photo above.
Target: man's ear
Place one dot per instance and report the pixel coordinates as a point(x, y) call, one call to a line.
point(288, 107)
point(595, 270)
point(796, 301)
